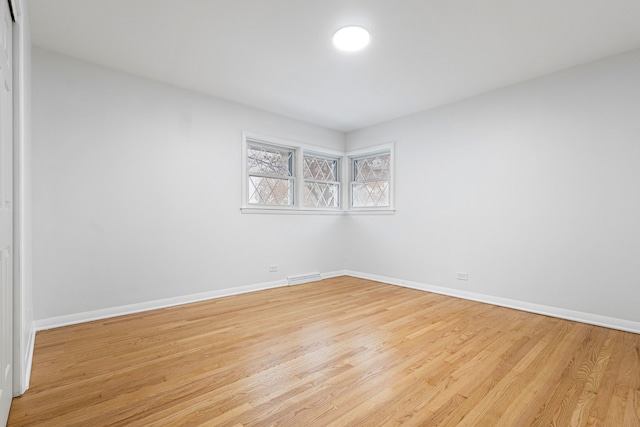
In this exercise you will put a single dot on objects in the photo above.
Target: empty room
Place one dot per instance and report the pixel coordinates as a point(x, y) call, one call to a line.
point(320, 213)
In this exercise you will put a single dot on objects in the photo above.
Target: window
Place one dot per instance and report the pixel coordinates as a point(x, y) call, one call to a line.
point(284, 176)
point(280, 175)
point(371, 178)
point(321, 184)
point(370, 186)
point(271, 175)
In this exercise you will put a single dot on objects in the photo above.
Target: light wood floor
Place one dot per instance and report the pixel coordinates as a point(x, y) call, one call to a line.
point(340, 352)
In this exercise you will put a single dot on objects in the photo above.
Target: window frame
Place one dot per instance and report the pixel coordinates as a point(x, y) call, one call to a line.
point(364, 153)
point(325, 156)
point(291, 177)
point(299, 151)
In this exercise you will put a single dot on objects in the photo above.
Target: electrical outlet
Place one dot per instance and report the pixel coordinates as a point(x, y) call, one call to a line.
point(273, 268)
point(462, 276)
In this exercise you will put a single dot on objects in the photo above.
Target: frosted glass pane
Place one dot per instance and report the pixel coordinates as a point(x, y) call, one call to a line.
point(269, 161)
point(270, 191)
point(370, 195)
point(321, 195)
point(320, 169)
point(376, 168)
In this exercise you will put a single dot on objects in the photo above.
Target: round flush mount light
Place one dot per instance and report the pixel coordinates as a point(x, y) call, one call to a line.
point(351, 38)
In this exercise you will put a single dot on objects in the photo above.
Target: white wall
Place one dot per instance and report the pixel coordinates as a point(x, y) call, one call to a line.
point(23, 308)
point(137, 193)
point(534, 190)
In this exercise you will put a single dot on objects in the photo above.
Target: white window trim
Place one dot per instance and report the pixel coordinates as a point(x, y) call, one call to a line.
point(344, 179)
point(387, 148)
point(292, 177)
point(339, 156)
point(299, 149)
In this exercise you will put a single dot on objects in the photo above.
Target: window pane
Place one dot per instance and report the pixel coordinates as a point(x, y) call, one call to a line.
point(321, 195)
point(320, 169)
point(270, 161)
point(270, 191)
point(376, 168)
point(370, 195)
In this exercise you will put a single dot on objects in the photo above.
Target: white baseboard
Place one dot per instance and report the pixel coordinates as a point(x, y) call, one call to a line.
point(22, 378)
point(28, 362)
point(332, 274)
point(578, 316)
point(105, 313)
point(88, 316)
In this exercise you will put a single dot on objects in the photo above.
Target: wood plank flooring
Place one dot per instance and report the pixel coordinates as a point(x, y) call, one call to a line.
point(341, 352)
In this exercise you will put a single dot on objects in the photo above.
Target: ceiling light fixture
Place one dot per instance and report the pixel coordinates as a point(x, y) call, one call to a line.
point(351, 38)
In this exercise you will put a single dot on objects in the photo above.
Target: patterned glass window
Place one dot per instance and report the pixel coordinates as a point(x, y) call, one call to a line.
point(321, 186)
point(286, 176)
point(371, 178)
point(271, 176)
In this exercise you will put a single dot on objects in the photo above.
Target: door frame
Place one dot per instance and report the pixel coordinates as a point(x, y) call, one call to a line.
point(23, 332)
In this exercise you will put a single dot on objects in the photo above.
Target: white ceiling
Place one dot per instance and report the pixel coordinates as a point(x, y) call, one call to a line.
point(277, 55)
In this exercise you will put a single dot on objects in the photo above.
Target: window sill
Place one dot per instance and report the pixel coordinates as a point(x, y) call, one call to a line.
point(370, 212)
point(268, 211)
point(276, 211)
